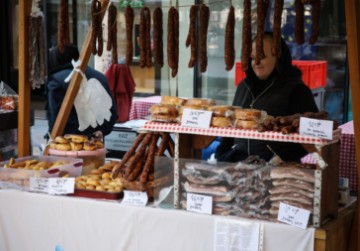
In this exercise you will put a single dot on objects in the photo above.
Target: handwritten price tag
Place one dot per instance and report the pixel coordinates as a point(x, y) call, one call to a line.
point(196, 118)
point(135, 198)
point(294, 216)
point(199, 203)
point(317, 128)
point(52, 185)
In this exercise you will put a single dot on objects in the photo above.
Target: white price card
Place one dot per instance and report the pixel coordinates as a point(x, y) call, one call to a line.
point(196, 118)
point(9, 185)
point(294, 216)
point(199, 203)
point(317, 128)
point(135, 198)
point(39, 185)
point(61, 185)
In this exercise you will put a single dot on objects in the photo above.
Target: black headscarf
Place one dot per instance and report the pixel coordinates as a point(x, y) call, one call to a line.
point(59, 61)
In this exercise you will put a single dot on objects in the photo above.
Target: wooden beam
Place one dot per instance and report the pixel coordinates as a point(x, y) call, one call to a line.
point(74, 85)
point(24, 84)
point(352, 10)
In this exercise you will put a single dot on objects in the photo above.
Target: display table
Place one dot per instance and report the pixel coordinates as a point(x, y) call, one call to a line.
point(140, 107)
point(39, 222)
point(347, 165)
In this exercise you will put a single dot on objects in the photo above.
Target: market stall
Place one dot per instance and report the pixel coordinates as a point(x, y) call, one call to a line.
point(146, 213)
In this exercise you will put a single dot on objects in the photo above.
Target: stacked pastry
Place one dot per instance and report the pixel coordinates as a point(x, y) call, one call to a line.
point(293, 184)
point(222, 115)
point(75, 142)
point(247, 118)
point(167, 110)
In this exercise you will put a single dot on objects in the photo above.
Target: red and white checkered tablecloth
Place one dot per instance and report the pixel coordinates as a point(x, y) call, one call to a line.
point(140, 107)
point(347, 165)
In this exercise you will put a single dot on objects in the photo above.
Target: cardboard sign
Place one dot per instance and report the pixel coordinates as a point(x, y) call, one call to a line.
point(199, 203)
point(135, 198)
point(317, 128)
point(196, 118)
point(294, 216)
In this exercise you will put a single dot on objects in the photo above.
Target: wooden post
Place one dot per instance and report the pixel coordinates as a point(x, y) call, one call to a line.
point(352, 10)
point(74, 85)
point(24, 84)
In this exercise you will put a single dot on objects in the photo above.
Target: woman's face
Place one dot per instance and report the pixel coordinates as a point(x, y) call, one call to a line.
point(267, 64)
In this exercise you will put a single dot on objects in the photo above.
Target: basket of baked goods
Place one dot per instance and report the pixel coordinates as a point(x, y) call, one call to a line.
point(15, 173)
point(99, 184)
point(90, 150)
point(140, 168)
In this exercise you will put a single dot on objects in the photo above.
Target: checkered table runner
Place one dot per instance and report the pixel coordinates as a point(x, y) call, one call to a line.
point(140, 107)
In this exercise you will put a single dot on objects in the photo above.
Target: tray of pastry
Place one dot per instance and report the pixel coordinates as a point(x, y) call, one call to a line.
point(98, 184)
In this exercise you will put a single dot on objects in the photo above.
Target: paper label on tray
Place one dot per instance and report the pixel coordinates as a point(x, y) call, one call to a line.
point(294, 216)
point(9, 185)
point(52, 185)
point(135, 198)
point(199, 203)
point(317, 128)
point(196, 118)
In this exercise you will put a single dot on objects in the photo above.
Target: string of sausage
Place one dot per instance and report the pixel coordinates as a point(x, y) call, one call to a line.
point(149, 163)
point(299, 22)
point(261, 14)
point(96, 32)
point(129, 22)
point(142, 35)
point(204, 24)
point(315, 16)
point(278, 6)
point(128, 154)
point(63, 26)
point(173, 40)
point(191, 37)
point(112, 31)
point(229, 39)
point(246, 36)
point(158, 36)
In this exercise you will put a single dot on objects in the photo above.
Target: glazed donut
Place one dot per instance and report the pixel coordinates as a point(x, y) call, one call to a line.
point(221, 122)
point(63, 147)
point(61, 140)
point(247, 114)
point(89, 146)
point(76, 138)
point(76, 146)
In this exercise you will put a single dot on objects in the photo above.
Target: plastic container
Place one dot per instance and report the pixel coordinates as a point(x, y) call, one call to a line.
point(314, 73)
point(18, 178)
point(91, 159)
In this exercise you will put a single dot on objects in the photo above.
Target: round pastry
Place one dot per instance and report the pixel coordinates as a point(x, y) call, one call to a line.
point(76, 138)
point(247, 114)
point(221, 122)
point(221, 110)
point(200, 101)
point(246, 124)
point(89, 146)
point(61, 140)
point(76, 146)
point(171, 100)
point(63, 147)
point(52, 145)
point(99, 144)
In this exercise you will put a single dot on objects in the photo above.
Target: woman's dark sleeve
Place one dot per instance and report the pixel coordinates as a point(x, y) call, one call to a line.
point(224, 146)
point(302, 100)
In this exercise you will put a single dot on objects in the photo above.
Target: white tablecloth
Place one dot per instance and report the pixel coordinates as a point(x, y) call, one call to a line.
point(38, 222)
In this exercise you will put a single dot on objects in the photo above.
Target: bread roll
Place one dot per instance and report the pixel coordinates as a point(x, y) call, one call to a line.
point(76, 138)
point(61, 140)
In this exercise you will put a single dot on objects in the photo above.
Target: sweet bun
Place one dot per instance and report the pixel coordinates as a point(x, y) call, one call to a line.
point(99, 144)
point(164, 113)
point(171, 100)
point(52, 145)
point(76, 146)
point(63, 147)
point(89, 146)
point(76, 138)
point(221, 110)
point(247, 114)
point(169, 118)
point(245, 124)
point(221, 122)
point(200, 101)
point(61, 140)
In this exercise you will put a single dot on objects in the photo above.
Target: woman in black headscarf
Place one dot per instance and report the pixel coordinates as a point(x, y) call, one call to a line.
point(275, 86)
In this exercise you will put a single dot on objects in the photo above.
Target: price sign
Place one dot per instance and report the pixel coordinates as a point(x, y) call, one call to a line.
point(317, 128)
point(135, 198)
point(39, 185)
point(61, 185)
point(199, 203)
point(196, 118)
point(9, 185)
point(294, 216)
